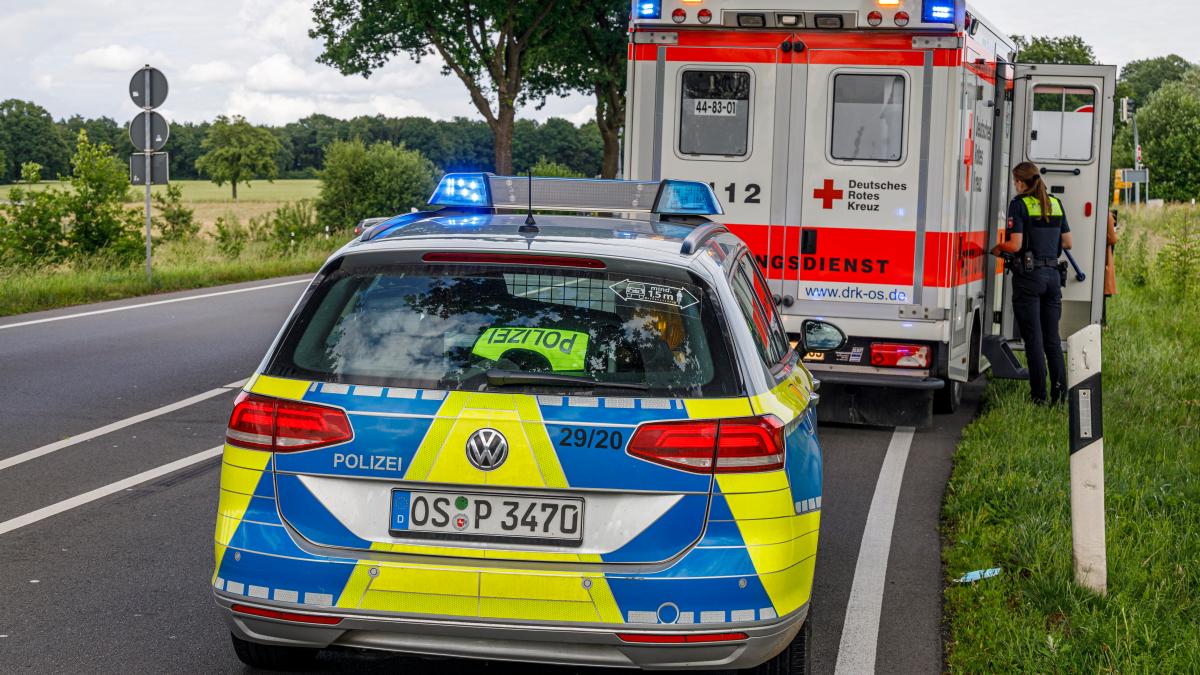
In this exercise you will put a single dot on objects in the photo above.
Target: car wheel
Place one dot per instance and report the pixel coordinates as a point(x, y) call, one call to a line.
point(793, 660)
point(273, 657)
point(947, 399)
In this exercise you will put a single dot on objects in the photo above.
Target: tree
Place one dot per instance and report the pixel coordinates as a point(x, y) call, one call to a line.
point(486, 43)
point(28, 134)
point(1044, 49)
point(1169, 126)
point(31, 224)
point(95, 206)
point(187, 139)
point(360, 182)
point(100, 130)
point(236, 151)
point(1140, 79)
point(591, 58)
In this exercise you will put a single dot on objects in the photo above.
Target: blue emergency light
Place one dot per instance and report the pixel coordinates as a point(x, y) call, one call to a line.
point(649, 9)
point(938, 11)
point(463, 189)
point(686, 198)
point(485, 191)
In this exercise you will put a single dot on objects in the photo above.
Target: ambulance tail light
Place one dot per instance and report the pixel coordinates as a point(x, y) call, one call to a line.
point(679, 15)
point(874, 19)
point(276, 425)
point(742, 445)
point(902, 19)
point(895, 355)
point(705, 16)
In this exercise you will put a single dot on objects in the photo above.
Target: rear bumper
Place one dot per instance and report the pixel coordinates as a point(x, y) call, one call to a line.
point(557, 644)
point(873, 380)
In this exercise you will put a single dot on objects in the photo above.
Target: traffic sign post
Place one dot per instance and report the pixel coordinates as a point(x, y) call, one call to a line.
point(148, 132)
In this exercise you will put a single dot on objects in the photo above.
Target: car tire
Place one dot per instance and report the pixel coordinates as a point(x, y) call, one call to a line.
point(947, 399)
point(273, 657)
point(793, 660)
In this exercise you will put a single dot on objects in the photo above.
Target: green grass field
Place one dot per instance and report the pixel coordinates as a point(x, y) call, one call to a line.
point(1008, 506)
point(177, 266)
point(205, 192)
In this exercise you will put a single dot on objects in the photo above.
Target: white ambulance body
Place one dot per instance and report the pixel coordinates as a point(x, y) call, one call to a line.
point(862, 148)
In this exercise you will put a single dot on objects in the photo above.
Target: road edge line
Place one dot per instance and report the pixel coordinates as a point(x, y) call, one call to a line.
point(9, 462)
point(155, 303)
point(101, 492)
point(860, 630)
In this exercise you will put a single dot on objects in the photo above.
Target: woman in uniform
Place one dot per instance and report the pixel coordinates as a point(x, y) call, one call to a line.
point(1037, 234)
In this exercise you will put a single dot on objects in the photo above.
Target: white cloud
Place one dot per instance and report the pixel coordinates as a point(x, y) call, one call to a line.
point(118, 57)
point(211, 72)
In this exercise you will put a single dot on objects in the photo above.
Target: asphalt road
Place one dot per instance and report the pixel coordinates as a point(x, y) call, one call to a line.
point(117, 579)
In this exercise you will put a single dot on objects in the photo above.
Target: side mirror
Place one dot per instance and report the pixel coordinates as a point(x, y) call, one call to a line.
point(819, 336)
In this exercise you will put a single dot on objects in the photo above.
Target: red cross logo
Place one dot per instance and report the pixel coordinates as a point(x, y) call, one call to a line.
point(828, 194)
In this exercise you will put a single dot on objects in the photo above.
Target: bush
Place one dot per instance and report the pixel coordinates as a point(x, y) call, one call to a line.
point(546, 168)
point(360, 182)
point(1179, 258)
point(95, 206)
point(1138, 263)
point(292, 223)
point(176, 221)
point(31, 225)
point(230, 236)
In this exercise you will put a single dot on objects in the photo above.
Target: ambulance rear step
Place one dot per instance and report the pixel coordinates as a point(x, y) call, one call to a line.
point(1005, 365)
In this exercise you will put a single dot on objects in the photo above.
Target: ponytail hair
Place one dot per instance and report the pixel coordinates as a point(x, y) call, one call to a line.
point(1029, 174)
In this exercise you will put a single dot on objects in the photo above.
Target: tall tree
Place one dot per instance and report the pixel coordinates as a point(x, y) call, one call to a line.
point(591, 57)
point(486, 43)
point(28, 134)
point(1169, 125)
point(1140, 79)
point(1070, 49)
point(237, 151)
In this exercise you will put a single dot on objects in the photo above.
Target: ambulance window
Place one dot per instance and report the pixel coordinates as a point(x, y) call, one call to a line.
point(1063, 118)
point(714, 117)
point(868, 117)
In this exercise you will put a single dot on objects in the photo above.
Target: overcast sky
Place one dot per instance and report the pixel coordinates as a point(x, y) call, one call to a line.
point(254, 57)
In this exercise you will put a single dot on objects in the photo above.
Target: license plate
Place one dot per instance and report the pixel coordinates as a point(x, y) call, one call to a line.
point(487, 517)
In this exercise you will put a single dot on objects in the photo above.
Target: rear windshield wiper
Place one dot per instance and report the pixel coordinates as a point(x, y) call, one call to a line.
point(500, 378)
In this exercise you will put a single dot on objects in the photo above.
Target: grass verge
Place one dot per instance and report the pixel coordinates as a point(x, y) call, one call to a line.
point(177, 266)
point(1008, 505)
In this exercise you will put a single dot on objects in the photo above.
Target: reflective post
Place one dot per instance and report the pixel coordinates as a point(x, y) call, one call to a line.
point(1087, 460)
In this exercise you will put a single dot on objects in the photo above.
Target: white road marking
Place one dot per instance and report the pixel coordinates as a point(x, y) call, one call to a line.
point(151, 304)
point(101, 492)
point(115, 426)
point(860, 632)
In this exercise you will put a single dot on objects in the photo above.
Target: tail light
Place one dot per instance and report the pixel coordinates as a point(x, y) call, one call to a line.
point(679, 16)
point(318, 619)
point(891, 355)
point(705, 16)
point(902, 19)
point(743, 445)
point(675, 639)
point(275, 425)
point(874, 18)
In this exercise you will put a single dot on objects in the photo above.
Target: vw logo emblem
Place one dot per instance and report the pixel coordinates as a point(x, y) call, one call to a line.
point(487, 449)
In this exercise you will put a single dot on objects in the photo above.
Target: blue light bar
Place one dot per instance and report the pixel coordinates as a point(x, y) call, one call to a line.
point(939, 11)
point(649, 9)
point(463, 189)
point(687, 198)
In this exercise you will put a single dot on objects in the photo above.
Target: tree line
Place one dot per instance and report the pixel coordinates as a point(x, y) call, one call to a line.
point(28, 133)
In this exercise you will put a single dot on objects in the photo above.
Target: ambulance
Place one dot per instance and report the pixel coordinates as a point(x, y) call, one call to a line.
point(862, 149)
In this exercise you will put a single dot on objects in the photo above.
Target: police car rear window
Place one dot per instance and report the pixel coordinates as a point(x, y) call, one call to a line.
point(455, 327)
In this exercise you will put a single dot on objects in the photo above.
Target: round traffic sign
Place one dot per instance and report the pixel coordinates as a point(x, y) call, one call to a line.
point(155, 95)
point(159, 131)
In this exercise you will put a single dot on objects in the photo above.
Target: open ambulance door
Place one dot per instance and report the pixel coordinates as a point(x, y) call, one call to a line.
point(1063, 122)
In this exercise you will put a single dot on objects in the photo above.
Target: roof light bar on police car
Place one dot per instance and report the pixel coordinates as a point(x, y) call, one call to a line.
point(663, 198)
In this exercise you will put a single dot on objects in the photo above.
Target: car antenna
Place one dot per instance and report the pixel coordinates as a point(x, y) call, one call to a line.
point(530, 226)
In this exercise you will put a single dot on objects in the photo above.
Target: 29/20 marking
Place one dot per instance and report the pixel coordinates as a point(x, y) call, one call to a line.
point(584, 437)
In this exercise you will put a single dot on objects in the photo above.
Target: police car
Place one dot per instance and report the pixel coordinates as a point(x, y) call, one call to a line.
point(568, 439)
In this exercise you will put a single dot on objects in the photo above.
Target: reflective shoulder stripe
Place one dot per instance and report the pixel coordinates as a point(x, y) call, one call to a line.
point(1035, 207)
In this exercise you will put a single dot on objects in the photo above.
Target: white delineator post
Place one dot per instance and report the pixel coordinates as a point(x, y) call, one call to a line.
point(1087, 460)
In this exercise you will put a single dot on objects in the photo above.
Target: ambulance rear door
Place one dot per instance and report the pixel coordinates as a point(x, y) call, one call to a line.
point(1063, 122)
point(858, 196)
point(720, 108)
